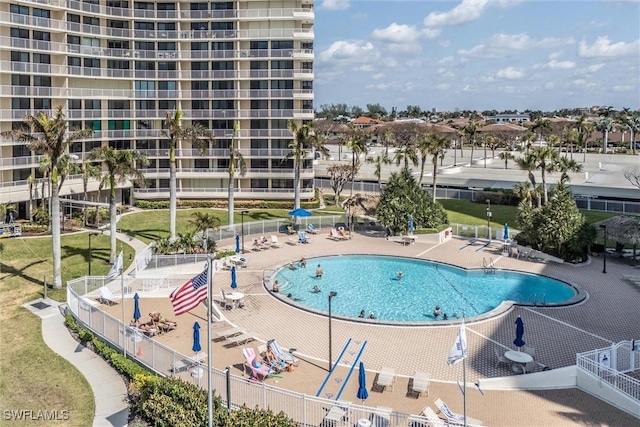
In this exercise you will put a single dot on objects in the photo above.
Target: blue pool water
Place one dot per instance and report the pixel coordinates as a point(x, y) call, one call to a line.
point(370, 283)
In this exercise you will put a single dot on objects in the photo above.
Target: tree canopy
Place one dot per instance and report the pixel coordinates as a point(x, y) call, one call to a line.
point(401, 197)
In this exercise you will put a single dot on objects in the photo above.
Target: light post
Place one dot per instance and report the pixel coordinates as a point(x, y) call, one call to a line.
point(90, 236)
point(604, 256)
point(331, 295)
point(489, 218)
point(242, 227)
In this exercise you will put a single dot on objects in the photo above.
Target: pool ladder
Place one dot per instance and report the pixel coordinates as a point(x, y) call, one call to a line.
point(488, 267)
point(534, 299)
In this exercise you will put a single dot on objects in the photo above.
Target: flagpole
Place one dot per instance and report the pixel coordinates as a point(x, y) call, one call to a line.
point(209, 309)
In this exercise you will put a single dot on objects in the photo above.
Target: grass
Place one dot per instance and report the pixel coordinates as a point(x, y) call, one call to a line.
point(32, 375)
point(154, 224)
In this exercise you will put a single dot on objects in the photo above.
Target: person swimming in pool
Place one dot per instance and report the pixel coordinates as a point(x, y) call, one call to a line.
point(316, 289)
point(437, 311)
point(361, 314)
point(319, 271)
point(400, 275)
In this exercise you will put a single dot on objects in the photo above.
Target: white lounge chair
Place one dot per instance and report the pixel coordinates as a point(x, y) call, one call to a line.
point(420, 383)
point(106, 296)
point(453, 417)
point(432, 418)
point(243, 338)
point(386, 378)
point(275, 243)
point(381, 417)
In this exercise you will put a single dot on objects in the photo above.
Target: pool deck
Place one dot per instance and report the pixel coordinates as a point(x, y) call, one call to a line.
point(608, 315)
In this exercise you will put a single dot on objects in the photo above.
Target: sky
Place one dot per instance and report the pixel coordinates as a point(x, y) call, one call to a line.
point(477, 54)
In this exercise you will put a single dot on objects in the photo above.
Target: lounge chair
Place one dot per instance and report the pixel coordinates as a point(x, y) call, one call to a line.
point(280, 354)
point(290, 229)
point(334, 235)
point(453, 417)
point(230, 332)
point(431, 417)
point(311, 229)
point(345, 234)
point(258, 370)
point(381, 417)
point(302, 237)
point(242, 338)
point(420, 384)
point(386, 378)
point(336, 414)
point(275, 243)
point(106, 296)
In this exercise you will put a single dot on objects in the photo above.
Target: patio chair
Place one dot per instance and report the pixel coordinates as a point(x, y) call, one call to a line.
point(275, 243)
point(290, 229)
point(453, 417)
point(311, 229)
point(381, 417)
point(386, 378)
point(106, 296)
point(302, 237)
point(432, 418)
point(530, 350)
point(420, 384)
point(280, 354)
point(500, 358)
point(225, 302)
point(529, 367)
point(257, 369)
point(336, 414)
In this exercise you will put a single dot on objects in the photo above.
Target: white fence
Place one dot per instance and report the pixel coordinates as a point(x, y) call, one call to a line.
point(304, 409)
point(610, 365)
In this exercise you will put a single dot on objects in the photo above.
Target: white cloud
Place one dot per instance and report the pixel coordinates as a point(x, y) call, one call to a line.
point(378, 76)
point(555, 55)
point(343, 50)
point(467, 10)
point(603, 48)
point(595, 67)
point(444, 43)
point(444, 72)
point(510, 73)
point(623, 88)
point(401, 33)
point(335, 4)
point(564, 65)
point(445, 60)
point(503, 44)
point(443, 86)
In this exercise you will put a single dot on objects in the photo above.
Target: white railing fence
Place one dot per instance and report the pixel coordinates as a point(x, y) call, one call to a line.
point(604, 363)
point(304, 409)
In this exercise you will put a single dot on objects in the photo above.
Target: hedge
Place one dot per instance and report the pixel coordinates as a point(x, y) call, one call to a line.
point(220, 204)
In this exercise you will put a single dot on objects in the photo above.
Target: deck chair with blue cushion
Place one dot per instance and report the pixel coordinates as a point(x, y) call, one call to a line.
point(452, 417)
point(302, 237)
point(311, 229)
point(258, 369)
point(280, 354)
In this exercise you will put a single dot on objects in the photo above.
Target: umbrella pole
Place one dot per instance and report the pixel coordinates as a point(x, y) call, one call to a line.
point(209, 355)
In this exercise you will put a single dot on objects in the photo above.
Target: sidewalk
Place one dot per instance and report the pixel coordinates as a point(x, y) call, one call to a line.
point(109, 391)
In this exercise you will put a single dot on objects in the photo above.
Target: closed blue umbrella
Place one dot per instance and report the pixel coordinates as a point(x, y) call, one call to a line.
point(299, 212)
point(363, 394)
point(411, 225)
point(196, 338)
point(237, 243)
point(136, 307)
point(518, 342)
point(506, 232)
point(233, 278)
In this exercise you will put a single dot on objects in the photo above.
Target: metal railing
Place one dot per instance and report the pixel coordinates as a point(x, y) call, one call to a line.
point(165, 361)
point(589, 362)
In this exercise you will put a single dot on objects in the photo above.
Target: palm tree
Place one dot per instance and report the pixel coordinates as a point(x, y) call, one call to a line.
point(88, 170)
point(436, 145)
point(406, 153)
point(203, 221)
point(565, 165)
point(122, 165)
point(506, 156)
point(236, 161)
point(545, 159)
point(470, 131)
point(176, 133)
point(632, 123)
point(527, 141)
point(51, 137)
point(605, 125)
point(303, 137)
point(523, 192)
point(541, 125)
point(358, 145)
point(381, 159)
point(585, 129)
point(31, 180)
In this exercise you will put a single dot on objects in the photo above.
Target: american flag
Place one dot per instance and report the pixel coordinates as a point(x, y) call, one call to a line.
point(188, 296)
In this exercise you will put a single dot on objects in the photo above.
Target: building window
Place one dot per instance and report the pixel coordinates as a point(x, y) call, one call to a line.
point(90, 41)
point(71, 39)
point(145, 65)
point(259, 183)
point(201, 163)
point(259, 84)
point(259, 104)
point(92, 104)
point(259, 124)
point(258, 44)
point(143, 5)
point(307, 84)
point(282, 44)
point(223, 163)
point(119, 125)
point(143, 25)
point(74, 104)
point(112, 23)
point(279, 124)
point(199, 85)
point(42, 35)
point(120, 144)
point(42, 81)
point(219, 5)
point(166, 6)
point(145, 104)
point(145, 45)
point(19, 56)
point(167, 85)
point(282, 84)
point(166, 46)
point(20, 80)
point(72, 17)
point(222, 25)
point(199, 6)
point(41, 58)
point(222, 85)
point(74, 61)
point(282, 104)
point(166, 26)
point(20, 103)
point(91, 63)
point(259, 143)
point(222, 65)
point(41, 104)
point(19, 33)
point(166, 104)
point(281, 183)
point(118, 44)
point(282, 65)
point(20, 10)
point(279, 144)
point(260, 163)
point(116, 64)
point(90, 20)
point(199, 26)
point(167, 66)
point(221, 45)
point(145, 85)
point(259, 65)
point(118, 104)
point(223, 104)
point(200, 104)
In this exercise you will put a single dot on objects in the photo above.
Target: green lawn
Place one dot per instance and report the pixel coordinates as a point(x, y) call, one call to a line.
point(32, 376)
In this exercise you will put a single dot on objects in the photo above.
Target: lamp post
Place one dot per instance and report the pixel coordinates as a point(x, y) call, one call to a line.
point(604, 257)
point(90, 236)
point(489, 218)
point(331, 295)
point(242, 227)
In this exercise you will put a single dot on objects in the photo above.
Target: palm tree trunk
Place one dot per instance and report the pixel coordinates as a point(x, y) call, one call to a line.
point(172, 196)
point(231, 195)
point(424, 159)
point(435, 171)
point(473, 146)
point(55, 237)
point(296, 179)
point(633, 143)
point(112, 224)
point(353, 171)
point(544, 185)
point(605, 142)
point(31, 184)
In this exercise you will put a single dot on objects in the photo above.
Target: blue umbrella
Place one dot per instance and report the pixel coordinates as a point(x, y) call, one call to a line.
point(233, 278)
point(362, 384)
point(237, 243)
point(196, 338)
point(518, 342)
point(411, 226)
point(506, 232)
point(136, 307)
point(299, 212)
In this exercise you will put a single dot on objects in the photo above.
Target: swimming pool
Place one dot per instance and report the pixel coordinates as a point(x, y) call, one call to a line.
point(370, 283)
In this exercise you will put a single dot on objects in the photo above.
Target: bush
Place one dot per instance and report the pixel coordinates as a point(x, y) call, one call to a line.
point(223, 254)
point(222, 203)
point(29, 228)
point(502, 197)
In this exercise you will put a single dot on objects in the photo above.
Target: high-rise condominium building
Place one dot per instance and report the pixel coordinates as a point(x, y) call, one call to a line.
point(118, 66)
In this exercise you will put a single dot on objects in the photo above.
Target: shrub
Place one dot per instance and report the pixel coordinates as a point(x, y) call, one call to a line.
point(222, 203)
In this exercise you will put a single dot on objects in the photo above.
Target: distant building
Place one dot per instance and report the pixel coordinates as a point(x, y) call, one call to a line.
point(365, 122)
point(508, 118)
